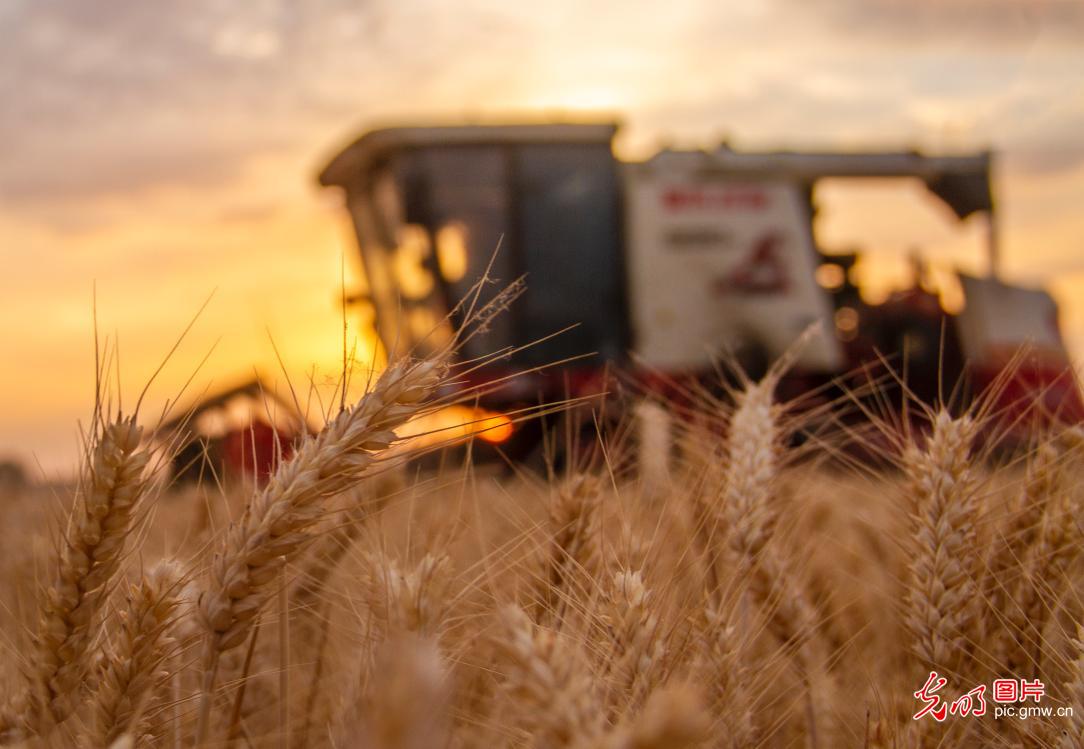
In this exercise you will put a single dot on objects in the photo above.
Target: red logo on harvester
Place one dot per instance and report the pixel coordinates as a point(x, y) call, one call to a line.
point(762, 271)
point(713, 198)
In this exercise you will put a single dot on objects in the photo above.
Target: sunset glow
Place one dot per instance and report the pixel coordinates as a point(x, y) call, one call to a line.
point(160, 155)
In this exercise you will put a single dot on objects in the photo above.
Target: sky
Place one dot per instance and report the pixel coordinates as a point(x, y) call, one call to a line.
point(157, 154)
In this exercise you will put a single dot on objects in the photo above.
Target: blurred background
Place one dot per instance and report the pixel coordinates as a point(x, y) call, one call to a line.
point(164, 151)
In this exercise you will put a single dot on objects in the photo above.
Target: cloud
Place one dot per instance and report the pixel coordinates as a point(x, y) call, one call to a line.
point(113, 97)
point(935, 21)
point(1045, 139)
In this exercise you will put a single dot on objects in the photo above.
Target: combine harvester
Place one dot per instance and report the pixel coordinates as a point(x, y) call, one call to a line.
point(662, 265)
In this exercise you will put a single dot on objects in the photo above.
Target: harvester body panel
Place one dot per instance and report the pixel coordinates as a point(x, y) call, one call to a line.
point(1012, 342)
point(719, 262)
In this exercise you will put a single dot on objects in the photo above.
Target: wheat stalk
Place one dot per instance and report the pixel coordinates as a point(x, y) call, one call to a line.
point(753, 458)
point(134, 669)
point(92, 548)
point(752, 449)
point(942, 592)
point(328, 550)
point(280, 519)
point(574, 548)
point(638, 651)
point(723, 669)
point(315, 621)
point(412, 601)
point(705, 465)
point(1005, 577)
point(754, 446)
point(1053, 554)
point(553, 697)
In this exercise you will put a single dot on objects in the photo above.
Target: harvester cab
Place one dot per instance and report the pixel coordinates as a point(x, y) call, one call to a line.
point(435, 208)
point(673, 259)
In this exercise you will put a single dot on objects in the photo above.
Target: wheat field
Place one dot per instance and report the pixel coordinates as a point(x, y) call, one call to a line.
point(731, 586)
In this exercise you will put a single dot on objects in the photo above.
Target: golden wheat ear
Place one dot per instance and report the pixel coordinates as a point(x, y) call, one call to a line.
point(574, 549)
point(281, 519)
point(638, 648)
point(414, 600)
point(552, 697)
point(133, 674)
point(102, 518)
point(755, 452)
point(942, 597)
point(723, 665)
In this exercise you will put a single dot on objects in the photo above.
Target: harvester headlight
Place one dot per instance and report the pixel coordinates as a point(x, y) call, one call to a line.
point(456, 422)
point(830, 276)
point(847, 323)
